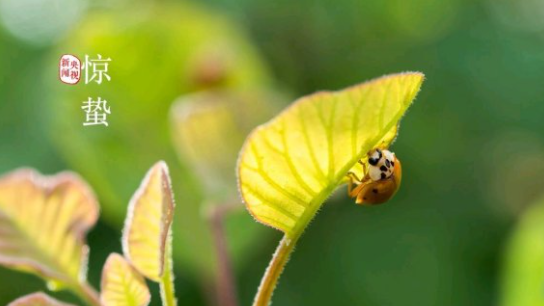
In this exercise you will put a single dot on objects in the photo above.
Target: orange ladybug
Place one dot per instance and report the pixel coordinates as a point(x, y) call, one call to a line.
point(380, 182)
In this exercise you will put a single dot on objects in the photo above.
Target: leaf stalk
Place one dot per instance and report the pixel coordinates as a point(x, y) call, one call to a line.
point(274, 270)
point(225, 282)
point(166, 283)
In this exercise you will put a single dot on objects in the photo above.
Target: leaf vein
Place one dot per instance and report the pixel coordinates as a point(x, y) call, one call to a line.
point(311, 149)
point(291, 165)
point(271, 182)
point(276, 207)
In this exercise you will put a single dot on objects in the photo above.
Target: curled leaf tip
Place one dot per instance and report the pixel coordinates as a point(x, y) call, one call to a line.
point(147, 226)
point(290, 165)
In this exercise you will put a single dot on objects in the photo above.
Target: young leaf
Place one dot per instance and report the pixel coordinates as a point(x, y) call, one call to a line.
point(523, 267)
point(37, 299)
point(148, 222)
point(289, 166)
point(43, 222)
point(122, 285)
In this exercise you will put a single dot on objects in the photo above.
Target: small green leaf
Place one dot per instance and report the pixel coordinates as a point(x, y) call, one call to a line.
point(523, 275)
point(147, 226)
point(289, 166)
point(122, 285)
point(43, 222)
point(147, 237)
point(37, 299)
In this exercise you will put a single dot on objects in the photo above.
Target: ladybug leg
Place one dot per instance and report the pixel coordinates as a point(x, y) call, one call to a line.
point(353, 177)
point(364, 166)
point(354, 181)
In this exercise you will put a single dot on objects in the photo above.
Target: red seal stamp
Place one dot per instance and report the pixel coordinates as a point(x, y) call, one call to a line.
point(69, 69)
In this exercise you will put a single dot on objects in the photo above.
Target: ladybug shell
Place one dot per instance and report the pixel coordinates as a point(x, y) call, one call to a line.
point(378, 192)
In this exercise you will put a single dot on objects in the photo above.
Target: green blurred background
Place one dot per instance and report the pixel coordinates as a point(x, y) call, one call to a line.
point(472, 145)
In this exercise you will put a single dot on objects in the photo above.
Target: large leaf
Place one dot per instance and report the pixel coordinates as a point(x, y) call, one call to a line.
point(43, 222)
point(523, 275)
point(289, 166)
point(37, 299)
point(147, 227)
point(122, 285)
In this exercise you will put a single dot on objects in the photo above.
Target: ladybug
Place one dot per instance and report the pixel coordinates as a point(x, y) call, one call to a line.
point(380, 182)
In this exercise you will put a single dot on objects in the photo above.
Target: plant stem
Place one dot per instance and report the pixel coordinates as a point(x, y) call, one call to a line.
point(225, 283)
point(87, 293)
point(168, 296)
point(273, 272)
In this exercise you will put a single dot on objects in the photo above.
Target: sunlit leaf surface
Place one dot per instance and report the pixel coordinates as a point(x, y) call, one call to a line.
point(122, 285)
point(289, 166)
point(43, 222)
point(37, 299)
point(148, 222)
point(523, 275)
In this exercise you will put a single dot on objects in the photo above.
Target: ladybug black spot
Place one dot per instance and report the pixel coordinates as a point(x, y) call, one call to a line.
point(383, 176)
point(383, 168)
point(387, 163)
point(373, 161)
point(393, 163)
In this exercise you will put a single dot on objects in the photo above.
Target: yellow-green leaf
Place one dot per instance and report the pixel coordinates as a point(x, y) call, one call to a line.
point(289, 166)
point(147, 226)
point(43, 222)
point(37, 299)
point(122, 285)
point(523, 273)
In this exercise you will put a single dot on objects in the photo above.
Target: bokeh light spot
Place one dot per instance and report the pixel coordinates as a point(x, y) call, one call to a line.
point(40, 22)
